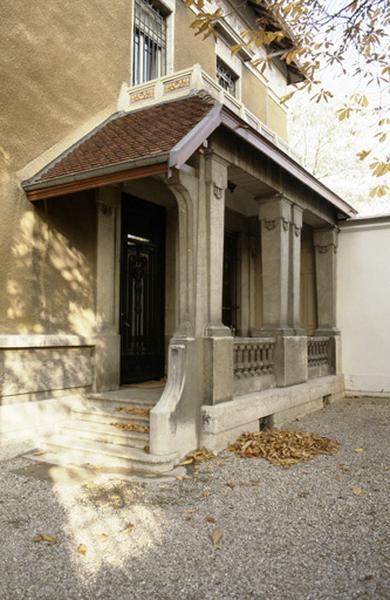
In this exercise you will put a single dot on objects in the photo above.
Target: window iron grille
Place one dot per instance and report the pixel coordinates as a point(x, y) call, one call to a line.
point(149, 44)
point(226, 78)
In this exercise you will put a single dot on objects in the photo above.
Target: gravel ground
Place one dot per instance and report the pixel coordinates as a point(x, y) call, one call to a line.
point(298, 533)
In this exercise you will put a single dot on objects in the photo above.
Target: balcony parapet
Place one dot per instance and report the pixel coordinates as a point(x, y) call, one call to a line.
point(179, 84)
point(253, 363)
point(319, 356)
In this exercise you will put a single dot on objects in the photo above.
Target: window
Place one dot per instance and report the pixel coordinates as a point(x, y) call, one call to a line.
point(226, 77)
point(149, 44)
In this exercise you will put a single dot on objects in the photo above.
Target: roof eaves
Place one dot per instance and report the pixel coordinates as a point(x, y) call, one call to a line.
point(188, 144)
point(278, 156)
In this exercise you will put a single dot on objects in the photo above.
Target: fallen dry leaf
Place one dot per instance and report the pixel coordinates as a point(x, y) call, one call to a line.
point(115, 497)
point(231, 484)
point(358, 450)
point(82, 549)
point(216, 536)
point(129, 528)
point(131, 427)
point(180, 477)
point(45, 537)
point(211, 520)
point(357, 491)
point(90, 486)
point(40, 453)
point(205, 493)
point(147, 449)
point(283, 448)
point(197, 456)
point(134, 410)
point(104, 537)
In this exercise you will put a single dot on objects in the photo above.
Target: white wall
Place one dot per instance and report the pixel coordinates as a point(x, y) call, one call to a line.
point(364, 303)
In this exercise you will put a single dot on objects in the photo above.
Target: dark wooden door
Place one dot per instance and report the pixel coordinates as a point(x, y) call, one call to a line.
point(142, 290)
point(230, 291)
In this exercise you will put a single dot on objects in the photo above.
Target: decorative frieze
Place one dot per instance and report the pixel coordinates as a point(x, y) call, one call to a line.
point(145, 94)
point(177, 84)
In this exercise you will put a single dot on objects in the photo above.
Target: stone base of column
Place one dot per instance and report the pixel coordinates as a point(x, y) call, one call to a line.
point(327, 331)
point(107, 361)
point(290, 360)
point(217, 330)
point(218, 369)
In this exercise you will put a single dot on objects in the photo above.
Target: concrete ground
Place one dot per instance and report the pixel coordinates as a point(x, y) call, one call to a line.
point(315, 531)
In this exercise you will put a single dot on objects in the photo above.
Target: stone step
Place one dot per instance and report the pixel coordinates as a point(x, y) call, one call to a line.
point(94, 415)
point(132, 397)
point(81, 452)
point(101, 432)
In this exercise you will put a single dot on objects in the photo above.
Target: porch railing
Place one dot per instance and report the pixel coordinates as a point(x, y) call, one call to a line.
point(318, 356)
point(253, 357)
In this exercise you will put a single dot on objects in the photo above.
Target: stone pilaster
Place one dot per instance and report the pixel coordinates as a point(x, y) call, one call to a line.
point(275, 215)
point(215, 174)
point(294, 307)
point(325, 244)
point(107, 357)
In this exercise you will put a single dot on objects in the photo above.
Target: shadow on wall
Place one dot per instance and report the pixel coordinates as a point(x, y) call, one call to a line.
point(50, 284)
point(48, 272)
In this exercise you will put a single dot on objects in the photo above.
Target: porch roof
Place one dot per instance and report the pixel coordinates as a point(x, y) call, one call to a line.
point(151, 141)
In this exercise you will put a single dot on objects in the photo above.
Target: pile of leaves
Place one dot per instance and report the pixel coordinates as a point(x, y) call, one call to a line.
point(131, 427)
point(197, 456)
point(283, 448)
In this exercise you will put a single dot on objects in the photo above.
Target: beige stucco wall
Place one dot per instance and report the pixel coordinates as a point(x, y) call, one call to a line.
point(254, 94)
point(276, 118)
point(363, 302)
point(191, 49)
point(61, 63)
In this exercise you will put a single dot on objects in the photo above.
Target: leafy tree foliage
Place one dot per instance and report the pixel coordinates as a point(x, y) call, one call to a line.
point(350, 38)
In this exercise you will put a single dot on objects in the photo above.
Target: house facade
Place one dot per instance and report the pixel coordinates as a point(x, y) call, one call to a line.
point(156, 228)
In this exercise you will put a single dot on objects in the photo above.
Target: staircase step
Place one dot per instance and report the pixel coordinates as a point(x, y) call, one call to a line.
point(102, 432)
point(129, 396)
point(76, 451)
point(94, 415)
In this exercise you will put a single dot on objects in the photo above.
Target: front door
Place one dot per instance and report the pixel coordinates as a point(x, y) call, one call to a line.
point(142, 290)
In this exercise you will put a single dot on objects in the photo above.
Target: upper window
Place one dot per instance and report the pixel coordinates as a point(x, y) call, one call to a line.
point(149, 44)
point(226, 77)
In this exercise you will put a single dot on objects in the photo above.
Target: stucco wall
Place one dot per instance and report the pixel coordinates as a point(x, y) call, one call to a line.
point(190, 50)
point(276, 118)
point(61, 63)
point(254, 94)
point(364, 303)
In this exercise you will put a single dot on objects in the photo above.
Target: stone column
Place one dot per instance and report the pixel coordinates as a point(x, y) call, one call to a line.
point(280, 255)
point(107, 363)
point(215, 172)
point(325, 244)
point(274, 215)
point(294, 308)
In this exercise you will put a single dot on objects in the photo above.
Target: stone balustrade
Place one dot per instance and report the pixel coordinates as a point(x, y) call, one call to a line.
point(318, 356)
point(253, 357)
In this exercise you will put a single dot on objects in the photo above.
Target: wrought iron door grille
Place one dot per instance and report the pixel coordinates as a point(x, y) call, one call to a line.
point(149, 46)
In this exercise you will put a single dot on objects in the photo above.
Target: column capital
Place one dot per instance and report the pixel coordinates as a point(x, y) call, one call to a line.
point(274, 207)
point(325, 239)
point(216, 173)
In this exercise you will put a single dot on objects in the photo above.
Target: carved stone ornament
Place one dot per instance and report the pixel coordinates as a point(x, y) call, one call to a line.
point(270, 224)
point(218, 191)
point(323, 249)
point(297, 230)
point(106, 209)
point(285, 224)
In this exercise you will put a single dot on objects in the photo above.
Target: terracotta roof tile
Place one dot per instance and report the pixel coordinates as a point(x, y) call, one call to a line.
point(136, 135)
